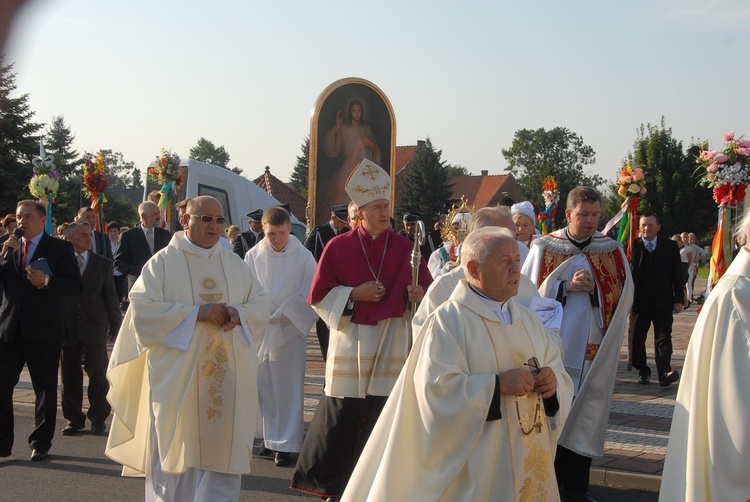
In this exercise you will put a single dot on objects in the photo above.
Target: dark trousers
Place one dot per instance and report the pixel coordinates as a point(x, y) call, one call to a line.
point(640, 322)
point(572, 471)
point(43, 360)
point(72, 383)
point(321, 329)
point(121, 286)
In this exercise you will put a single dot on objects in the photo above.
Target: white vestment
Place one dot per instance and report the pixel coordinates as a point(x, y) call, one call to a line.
point(708, 457)
point(591, 355)
point(286, 277)
point(367, 359)
point(439, 258)
point(182, 388)
point(433, 441)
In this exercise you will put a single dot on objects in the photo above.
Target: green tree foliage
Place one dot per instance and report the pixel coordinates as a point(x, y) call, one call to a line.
point(19, 141)
point(58, 141)
point(457, 170)
point(206, 151)
point(561, 153)
point(426, 187)
point(301, 173)
point(672, 191)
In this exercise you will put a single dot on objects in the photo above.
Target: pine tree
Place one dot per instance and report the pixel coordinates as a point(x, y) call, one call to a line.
point(426, 187)
point(19, 142)
point(301, 173)
point(58, 141)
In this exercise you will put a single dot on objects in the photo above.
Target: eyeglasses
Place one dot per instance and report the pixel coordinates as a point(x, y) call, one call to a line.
point(207, 218)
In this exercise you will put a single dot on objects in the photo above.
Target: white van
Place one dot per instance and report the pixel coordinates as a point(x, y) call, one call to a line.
point(237, 194)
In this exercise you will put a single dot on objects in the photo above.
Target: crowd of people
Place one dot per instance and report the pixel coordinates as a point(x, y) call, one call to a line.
point(476, 364)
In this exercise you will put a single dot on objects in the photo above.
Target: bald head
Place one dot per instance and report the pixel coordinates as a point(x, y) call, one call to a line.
point(497, 216)
point(492, 262)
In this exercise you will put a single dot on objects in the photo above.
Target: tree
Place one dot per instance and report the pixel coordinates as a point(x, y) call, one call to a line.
point(671, 189)
point(426, 187)
point(58, 141)
point(206, 151)
point(19, 141)
point(457, 170)
point(561, 153)
point(301, 173)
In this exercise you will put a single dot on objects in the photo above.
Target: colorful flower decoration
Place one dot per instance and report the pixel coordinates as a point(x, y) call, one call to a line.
point(94, 183)
point(631, 181)
point(45, 181)
point(168, 172)
point(728, 173)
point(551, 195)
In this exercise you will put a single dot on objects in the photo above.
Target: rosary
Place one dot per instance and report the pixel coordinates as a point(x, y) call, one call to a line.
point(537, 424)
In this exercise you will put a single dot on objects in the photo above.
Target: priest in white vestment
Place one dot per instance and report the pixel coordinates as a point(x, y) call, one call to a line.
point(708, 457)
point(477, 411)
point(589, 274)
point(184, 366)
point(285, 268)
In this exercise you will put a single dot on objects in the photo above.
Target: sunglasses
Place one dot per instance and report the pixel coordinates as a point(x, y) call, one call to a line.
point(207, 218)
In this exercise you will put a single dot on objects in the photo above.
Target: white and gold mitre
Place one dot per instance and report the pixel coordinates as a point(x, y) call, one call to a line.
point(368, 182)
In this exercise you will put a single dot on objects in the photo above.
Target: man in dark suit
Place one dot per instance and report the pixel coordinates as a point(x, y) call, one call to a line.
point(246, 240)
point(99, 243)
point(315, 243)
point(37, 271)
point(432, 240)
point(91, 319)
point(657, 275)
point(139, 244)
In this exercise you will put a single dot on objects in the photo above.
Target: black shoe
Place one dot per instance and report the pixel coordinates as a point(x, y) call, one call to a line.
point(39, 454)
point(72, 430)
point(98, 428)
point(265, 452)
point(669, 378)
point(282, 459)
point(5, 453)
point(644, 380)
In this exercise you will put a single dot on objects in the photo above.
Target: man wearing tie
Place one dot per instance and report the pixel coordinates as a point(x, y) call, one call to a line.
point(139, 244)
point(99, 242)
point(37, 271)
point(91, 319)
point(657, 274)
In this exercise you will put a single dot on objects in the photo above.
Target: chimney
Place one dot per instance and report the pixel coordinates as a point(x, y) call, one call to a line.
point(485, 172)
point(420, 143)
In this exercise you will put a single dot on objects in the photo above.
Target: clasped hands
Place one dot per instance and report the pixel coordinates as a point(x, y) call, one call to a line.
point(374, 291)
point(520, 381)
point(581, 282)
point(220, 315)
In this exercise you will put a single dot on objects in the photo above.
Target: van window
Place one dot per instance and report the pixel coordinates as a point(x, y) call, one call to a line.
point(218, 194)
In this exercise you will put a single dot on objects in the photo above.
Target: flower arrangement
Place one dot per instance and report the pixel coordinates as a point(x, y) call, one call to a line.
point(94, 183)
point(45, 181)
point(727, 171)
point(632, 181)
point(167, 169)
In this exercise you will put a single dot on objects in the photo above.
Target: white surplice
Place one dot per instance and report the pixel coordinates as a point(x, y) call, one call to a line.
point(181, 388)
point(708, 457)
point(433, 441)
point(286, 276)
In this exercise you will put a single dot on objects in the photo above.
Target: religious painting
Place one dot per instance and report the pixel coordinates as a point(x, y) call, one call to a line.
point(352, 120)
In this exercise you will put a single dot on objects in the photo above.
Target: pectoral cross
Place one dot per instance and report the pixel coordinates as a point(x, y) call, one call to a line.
point(538, 427)
point(370, 172)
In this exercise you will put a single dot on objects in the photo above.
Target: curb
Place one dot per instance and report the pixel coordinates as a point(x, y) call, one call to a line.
point(625, 479)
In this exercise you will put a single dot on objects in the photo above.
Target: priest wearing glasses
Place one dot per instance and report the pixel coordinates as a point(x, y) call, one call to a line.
point(362, 290)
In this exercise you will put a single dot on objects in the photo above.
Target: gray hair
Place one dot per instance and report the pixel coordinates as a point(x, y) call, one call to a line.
point(145, 206)
point(743, 229)
point(487, 215)
point(74, 227)
point(479, 244)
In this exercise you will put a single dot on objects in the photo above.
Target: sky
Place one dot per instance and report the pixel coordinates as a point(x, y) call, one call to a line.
point(137, 76)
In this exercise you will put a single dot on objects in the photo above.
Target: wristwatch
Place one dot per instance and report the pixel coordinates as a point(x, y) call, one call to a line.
point(46, 282)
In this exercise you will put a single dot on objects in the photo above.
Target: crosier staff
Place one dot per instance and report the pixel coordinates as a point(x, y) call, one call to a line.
point(416, 257)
